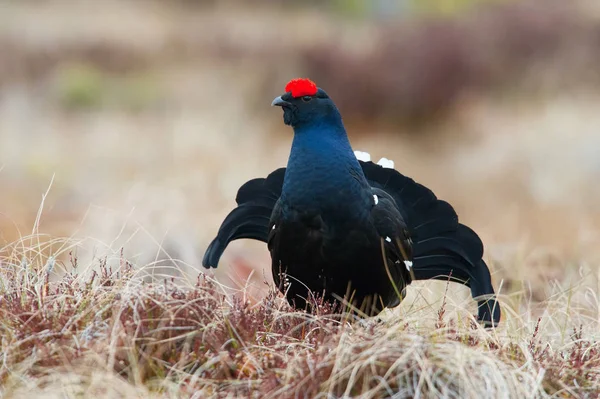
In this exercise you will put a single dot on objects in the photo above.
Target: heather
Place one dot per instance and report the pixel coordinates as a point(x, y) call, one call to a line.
point(110, 331)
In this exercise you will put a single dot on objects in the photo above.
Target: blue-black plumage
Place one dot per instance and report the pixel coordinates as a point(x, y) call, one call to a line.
point(351, 230)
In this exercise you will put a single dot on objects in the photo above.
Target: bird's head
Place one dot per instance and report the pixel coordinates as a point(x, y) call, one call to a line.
point(304, 103)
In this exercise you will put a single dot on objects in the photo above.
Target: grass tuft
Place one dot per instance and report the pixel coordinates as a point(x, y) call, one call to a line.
point(64, 329)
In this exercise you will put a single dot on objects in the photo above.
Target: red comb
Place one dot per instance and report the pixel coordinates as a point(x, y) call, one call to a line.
point(301, 87)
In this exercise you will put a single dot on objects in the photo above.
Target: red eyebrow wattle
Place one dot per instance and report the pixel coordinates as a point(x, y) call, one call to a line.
point(301, 87)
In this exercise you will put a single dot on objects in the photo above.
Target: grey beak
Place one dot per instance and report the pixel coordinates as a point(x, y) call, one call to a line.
point(279, 102)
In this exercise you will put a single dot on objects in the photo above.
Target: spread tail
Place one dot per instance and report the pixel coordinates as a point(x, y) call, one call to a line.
point(442, 247)
point(256, 200)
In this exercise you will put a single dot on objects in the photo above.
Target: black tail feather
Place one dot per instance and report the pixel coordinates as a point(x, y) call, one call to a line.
point(477, 278)
point(245, 221)
point(256, 200)
point(450, 244)
point(443, 248)
point(436, 219)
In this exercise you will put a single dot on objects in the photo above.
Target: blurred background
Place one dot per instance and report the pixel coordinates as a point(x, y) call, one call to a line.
point(140, 119)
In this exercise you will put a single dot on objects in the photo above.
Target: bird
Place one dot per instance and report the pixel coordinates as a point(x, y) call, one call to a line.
point(344, 229)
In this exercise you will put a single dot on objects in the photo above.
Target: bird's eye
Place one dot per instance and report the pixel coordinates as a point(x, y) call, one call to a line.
point(306, 98)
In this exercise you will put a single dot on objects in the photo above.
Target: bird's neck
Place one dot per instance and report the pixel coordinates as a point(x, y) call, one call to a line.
point(322, 171)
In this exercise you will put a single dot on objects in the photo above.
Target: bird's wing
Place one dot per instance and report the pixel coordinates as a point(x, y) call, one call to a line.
point(395, 241)
point(272, 227)
point(250, 219)
point(442, 247)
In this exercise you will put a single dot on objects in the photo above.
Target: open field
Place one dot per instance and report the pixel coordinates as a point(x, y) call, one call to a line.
point(123, 140)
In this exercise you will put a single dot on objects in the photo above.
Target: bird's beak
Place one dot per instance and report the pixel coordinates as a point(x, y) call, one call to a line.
point(279, 102)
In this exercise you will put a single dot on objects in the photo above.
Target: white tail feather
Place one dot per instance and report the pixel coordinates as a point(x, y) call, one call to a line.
point(386, 163)
point(362, 156)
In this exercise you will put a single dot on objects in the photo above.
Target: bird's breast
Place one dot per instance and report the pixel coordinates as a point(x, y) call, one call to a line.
point(315, 239)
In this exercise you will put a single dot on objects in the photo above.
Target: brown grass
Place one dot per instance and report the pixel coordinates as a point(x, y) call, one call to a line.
point(64, 325)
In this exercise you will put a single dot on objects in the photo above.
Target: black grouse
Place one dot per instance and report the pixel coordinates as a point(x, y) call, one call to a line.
point(343, 229)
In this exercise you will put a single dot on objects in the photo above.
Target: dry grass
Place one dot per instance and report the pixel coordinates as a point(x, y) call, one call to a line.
point(68, 329)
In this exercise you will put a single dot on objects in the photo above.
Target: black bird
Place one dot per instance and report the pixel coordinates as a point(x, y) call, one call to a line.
point(349, 230)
